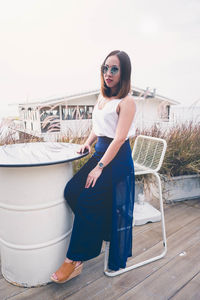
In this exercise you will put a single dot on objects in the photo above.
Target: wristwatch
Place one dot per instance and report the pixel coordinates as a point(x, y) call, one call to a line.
point(101, 165)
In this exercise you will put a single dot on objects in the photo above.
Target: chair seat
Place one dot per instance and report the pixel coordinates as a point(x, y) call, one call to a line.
point(141, 170)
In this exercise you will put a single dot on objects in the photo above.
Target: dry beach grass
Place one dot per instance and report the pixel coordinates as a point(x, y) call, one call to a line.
point(183, 145)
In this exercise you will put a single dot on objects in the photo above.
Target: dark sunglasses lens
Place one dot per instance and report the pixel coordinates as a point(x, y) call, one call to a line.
point(105, 69)
point(114, 70)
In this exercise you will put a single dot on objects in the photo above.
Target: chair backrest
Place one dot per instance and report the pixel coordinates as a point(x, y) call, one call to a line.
point(149, 152)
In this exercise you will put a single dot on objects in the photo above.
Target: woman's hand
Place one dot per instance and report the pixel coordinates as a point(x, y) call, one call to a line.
point(93, 176)
point(85, 147)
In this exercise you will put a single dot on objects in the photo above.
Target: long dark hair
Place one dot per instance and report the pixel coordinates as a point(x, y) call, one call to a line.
point(124, 85)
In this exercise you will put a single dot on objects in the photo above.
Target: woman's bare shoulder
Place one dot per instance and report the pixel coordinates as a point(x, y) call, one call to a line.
point(128, 101)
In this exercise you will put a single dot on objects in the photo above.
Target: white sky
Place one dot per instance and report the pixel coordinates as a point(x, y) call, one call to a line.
point(53, 48)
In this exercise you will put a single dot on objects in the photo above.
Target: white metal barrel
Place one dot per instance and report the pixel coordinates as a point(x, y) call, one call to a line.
point(35, 220)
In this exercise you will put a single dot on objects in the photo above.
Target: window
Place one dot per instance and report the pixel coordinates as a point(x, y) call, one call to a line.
point(48, 112)
point(76, 112)
point(164, 112)
point(168, 111)
point(50, 119)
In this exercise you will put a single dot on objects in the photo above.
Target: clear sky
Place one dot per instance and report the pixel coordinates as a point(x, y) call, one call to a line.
point(53, 48)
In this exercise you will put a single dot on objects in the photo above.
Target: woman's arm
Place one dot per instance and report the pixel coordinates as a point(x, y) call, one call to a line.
point(127, 111)
point(90, 140)
point(126, 116)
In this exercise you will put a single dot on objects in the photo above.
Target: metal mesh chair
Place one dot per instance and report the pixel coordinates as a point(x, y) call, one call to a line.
point(148, 154)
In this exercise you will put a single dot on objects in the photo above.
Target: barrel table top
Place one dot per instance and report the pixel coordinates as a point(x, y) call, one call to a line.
point(38, 154)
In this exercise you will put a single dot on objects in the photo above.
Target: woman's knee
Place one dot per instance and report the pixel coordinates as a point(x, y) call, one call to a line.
point(67, 191)
point(70, 195)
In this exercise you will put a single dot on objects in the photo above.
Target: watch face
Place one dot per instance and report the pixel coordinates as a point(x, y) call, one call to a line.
point(101, 165)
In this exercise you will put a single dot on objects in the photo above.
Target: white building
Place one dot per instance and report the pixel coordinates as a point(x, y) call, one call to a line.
point(185, 115)
point(71, 115)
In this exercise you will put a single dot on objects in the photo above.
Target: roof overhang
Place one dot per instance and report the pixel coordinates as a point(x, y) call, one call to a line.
point(60, 100)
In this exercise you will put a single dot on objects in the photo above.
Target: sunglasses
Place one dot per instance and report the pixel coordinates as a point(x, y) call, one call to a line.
point(113, 70)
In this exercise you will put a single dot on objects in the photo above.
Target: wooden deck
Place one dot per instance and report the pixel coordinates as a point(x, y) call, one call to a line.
point(176, 276)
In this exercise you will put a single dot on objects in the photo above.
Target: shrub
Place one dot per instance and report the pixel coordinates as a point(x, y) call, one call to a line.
point(183, 146)
point(183, 149)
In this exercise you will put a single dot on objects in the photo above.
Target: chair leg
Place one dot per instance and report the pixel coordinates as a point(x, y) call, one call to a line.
point(162, 213)
point(115, 273)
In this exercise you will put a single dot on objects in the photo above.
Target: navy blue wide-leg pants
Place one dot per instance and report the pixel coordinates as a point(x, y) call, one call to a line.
point(103, 212)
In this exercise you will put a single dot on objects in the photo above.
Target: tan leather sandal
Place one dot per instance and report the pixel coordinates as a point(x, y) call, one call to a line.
point(67, 271)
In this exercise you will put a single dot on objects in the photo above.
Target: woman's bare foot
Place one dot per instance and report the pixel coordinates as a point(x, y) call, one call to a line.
point(69, 261)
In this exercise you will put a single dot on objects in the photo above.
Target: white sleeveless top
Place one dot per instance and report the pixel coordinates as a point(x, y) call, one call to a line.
point(105, 120)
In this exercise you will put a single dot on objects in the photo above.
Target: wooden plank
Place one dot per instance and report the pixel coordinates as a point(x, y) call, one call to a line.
point(170, 213)
point(191, 291)
point(143, 243)
point(7, 289)
point(149, 237)
point(93, 280)
point(112, 288)
point(174, 211)
point(92, 271)
point(169, 279)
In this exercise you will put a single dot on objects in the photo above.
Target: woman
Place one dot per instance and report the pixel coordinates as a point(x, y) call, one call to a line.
point(101, 193)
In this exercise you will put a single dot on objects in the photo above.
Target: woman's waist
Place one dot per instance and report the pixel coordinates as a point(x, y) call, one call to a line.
point(103, 143)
